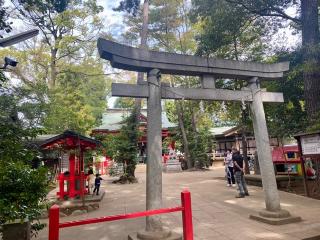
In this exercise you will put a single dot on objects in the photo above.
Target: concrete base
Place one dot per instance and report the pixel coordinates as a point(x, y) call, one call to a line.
point(17, 231)
point(172, 167)
point(275, 218)
point(91, 197)
point(165, 235)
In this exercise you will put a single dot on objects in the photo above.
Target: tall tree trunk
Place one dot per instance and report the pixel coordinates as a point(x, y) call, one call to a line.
point(193, 119)
point(245, 150)
point(184, 135)
point(194, 132)
point(244, 141)
point(143, 45)
point(311, 70)
point(53, 68)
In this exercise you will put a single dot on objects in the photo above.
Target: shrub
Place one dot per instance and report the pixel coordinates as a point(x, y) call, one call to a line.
point(22, 191)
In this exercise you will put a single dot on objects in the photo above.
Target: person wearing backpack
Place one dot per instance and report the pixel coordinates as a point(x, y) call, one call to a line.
point(239, 174)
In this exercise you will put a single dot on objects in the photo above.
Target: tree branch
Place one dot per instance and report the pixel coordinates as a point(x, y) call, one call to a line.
point(269, 11)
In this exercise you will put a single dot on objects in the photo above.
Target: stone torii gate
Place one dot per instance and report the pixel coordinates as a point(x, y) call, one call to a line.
point(208, 69)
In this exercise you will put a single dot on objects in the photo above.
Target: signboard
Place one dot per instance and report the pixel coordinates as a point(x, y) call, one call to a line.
point(310, 144)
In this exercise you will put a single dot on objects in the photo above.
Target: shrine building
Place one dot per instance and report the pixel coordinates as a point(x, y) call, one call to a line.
point(112, 121)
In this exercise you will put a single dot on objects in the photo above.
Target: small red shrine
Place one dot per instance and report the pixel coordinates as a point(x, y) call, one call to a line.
point(72, 168)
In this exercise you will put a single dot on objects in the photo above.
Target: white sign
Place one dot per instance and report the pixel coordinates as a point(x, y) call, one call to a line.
point(310, 144)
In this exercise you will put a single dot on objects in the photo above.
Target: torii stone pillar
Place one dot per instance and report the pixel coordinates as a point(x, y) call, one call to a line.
point(154, 150)
point(273, 213)
point(154, 229)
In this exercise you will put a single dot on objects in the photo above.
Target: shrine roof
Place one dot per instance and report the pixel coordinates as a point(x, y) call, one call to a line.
point(224, 131)
point(298, 135)
point(112, 120)
point(69, 139)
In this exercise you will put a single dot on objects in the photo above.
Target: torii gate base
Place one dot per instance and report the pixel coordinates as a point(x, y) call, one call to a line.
point(163, 235)
point(275, 218)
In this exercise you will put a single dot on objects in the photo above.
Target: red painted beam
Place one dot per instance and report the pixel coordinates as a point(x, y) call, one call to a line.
point(120, 217)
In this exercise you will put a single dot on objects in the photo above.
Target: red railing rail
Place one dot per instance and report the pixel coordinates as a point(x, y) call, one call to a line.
point(185, 208)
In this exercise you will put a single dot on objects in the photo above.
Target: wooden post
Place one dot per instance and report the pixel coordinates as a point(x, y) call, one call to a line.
point(72, 181)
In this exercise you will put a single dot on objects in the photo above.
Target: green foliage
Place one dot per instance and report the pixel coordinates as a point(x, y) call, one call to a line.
point(45, 6)
point(123, 147)
point(62, 69)
point(197, 123)
point(127, 147)
point(170, 27)
point(109, 144)
point(170, 30)
point(122, 102)
point(21, 191)
point(227, 30)
point(4, 24)
point(68, 36)
point(77, 102)
point(285, 120)
point(305, 20)
point(271, 8)
point(129, 6)
point(315, 126)
point(18, 114)
point(200, 145)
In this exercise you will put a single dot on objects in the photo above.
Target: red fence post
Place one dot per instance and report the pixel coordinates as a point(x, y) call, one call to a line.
point(54, 214)
point(187, 215)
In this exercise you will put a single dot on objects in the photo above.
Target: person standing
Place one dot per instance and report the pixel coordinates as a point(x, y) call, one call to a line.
point(90, 180)
point(239, 174)
point(97, 183)
point(229, 168)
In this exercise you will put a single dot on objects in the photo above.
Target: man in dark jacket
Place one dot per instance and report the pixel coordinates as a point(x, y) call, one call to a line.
point(238, 172)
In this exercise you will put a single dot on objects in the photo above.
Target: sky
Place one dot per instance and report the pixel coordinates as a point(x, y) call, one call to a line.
point(113, 20)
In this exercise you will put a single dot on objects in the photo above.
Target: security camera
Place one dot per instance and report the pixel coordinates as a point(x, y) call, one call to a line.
point(9, 62)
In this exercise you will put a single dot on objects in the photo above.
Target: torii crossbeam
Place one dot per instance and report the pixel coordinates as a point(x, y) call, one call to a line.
point(140, 60)
point(155, 63)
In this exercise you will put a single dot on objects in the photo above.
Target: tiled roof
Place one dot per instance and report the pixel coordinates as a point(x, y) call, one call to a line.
point(112, 119)
point(221, 130)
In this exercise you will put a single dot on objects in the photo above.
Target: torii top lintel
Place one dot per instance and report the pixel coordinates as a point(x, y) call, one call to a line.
point(140, 60)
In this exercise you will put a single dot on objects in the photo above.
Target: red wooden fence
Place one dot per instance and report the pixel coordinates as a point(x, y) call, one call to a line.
point(185, 208)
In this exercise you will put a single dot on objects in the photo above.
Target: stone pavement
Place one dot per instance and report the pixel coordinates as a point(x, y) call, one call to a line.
point(217, 214)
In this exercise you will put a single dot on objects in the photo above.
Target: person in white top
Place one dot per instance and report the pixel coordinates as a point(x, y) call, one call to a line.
point(90, 180)
point(229, 168)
